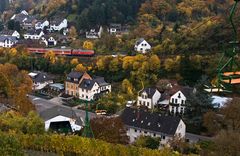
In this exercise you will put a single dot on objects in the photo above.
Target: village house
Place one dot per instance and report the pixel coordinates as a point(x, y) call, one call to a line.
point(26, 21)
point(85, 87)
point(29, 23)
point(58, 24)
point(176, 99)
point(13, 33)
point(33, 34)
point(61, 119)
point(139, 122)
point(7, 41)
point(148, 97)
point(142, 46)
point(41, 24)
point(49, 40)
point(94, 33)
point(40, 80)
point(117, 29)
point(21, 17)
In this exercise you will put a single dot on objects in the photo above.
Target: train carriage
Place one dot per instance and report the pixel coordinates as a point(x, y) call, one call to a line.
point(68, 52)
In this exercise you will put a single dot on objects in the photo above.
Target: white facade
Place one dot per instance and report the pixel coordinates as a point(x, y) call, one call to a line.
point(88, 95)
point(143, 47)
point(41, 85)
point(177, 103)
point(41, 25)
point(94, 34)
point(49, 41)
point(133, 133)
point(7, 43)
point(16, 34)
point(33, 36)
point(60, 118)
point(62, 25)
point(148, 102)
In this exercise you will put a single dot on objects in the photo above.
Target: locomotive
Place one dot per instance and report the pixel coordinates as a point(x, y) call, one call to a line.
point(67, 52)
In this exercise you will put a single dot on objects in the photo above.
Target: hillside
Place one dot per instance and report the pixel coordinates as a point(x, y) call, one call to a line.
point(172, 27)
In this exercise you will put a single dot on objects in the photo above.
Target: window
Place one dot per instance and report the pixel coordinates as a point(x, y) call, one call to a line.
point(154, 134)
point(144, 103)
point(163, 137)
point(175, 100)
point(142, 96)
point(179, 95)
point(172, 100)
point(86, 97)
point(140, 102)
point(182, 101)
point(145, 132)
point(135, 130)
point(147, 103)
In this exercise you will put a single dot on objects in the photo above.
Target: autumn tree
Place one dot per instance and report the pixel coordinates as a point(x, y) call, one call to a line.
point(88, 45)
point(127, 87)
point(50, 55)
point(227, 143)
point(14, 86)
point(81, 68)
point(73, 33)
point(109, 129)
point(155, 63)
point(74, 61)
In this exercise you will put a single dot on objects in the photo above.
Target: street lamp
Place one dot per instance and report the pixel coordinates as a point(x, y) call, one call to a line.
point(87, 131)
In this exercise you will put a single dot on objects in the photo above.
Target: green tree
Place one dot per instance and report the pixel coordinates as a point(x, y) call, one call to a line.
point(147, 142)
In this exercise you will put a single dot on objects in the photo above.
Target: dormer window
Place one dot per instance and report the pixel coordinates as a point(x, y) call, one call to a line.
point(179, 95)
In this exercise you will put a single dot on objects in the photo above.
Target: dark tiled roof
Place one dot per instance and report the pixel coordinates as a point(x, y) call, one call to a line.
point(150, 121)
point(87, 84)
point(40, 77)
point(75, 75)
point(187, 91)
point(11, 38)
point(150, 91)
point(115, 25)
point(59, 110)
point(33, 32)
point(56, 21)
point(20, 17)
point(100, 81)
point(7, 32)
point(139, 41)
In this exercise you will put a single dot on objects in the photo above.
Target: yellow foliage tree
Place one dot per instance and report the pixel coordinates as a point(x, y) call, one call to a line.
point(88, 45)
point(81, 68)
point(73, 33)
point(74, 61)
point(13, 52)
point(50, 55)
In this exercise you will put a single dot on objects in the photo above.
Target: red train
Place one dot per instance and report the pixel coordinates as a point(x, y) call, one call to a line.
point(68, 52)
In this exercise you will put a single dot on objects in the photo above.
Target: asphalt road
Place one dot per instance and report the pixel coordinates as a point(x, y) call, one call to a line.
point(43, 104)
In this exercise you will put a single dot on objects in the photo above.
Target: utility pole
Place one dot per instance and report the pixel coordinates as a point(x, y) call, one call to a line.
point(87, 131)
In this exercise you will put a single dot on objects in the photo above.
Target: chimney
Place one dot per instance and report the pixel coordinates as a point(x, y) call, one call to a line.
point(138, 114)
